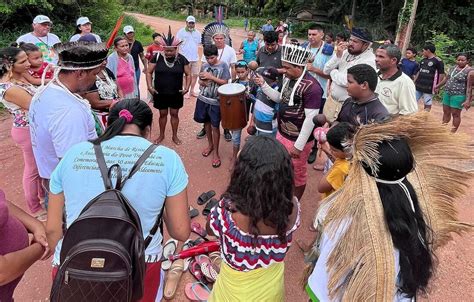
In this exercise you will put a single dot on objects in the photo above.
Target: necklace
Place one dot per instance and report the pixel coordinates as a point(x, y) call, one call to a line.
point(47, 39)
point(74, 95)
point(455, 75)
point(170, 65)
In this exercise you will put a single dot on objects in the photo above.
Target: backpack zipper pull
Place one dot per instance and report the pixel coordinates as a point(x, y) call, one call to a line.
point(66, 278)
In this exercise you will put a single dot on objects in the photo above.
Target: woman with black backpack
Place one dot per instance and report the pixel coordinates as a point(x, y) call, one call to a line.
point(91, 265)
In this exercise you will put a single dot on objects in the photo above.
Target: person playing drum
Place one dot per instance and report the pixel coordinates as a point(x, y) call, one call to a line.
point(213, 74)
point(300, 100)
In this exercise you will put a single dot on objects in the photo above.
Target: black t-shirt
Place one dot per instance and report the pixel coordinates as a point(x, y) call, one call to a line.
point(430, 69)
point(362, 114)
point(169, 80)
point(135, 50)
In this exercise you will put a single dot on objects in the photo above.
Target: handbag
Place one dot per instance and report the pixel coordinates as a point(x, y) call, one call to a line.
point(331, 108)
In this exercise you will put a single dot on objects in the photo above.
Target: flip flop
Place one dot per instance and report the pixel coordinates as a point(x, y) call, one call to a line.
point(206, 267)
point(216, 163)
point(207, 209)
point(187, 244)
point(205, 197)
point(206, 152)
point(197, 291)
point(195, 270)
point(216, 260)
point(172, 279)
point(168, 249)
point(198, 229)
point(193, 212)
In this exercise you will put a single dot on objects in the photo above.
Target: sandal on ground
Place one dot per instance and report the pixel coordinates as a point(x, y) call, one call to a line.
point(195, 270)
point(172, 279)
point(168, 249)
point(206, 152)
point(197, 291)
point(41, 215)
point(198, 229)
point(216, 163)
point(207, 209)
point(216, 260)
point(193, 212)
point(205, 197)
point(206, 267)
point(187, 244)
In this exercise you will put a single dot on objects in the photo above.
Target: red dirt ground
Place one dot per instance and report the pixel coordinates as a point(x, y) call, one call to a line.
point(455, 274)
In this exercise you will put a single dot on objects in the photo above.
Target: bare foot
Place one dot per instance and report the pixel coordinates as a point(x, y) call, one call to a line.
point(207, 151)
point(159, 139)
point(176, 140)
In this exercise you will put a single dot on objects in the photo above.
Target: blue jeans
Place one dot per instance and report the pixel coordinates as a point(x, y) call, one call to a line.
point(236, 135)
point(427, 98)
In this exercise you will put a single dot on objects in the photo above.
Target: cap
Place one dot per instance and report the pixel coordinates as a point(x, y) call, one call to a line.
point(191, 19)
point(361, 34)
point(82, 21)
point(128, 29)
point(41, 19)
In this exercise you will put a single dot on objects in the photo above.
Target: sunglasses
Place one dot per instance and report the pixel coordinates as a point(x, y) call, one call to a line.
point(241, 64)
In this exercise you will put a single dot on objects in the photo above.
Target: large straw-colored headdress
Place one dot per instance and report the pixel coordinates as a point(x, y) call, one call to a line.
point(81, 55)
point(213, 29)
point(361, 267)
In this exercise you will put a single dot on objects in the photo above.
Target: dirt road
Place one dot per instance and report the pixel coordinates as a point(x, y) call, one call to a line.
point(454, 277)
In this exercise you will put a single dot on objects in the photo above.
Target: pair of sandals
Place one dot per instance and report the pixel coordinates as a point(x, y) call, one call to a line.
point(205, 269)
point(207, 199)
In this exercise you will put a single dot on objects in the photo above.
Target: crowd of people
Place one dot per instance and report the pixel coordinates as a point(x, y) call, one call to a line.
point(334, 99)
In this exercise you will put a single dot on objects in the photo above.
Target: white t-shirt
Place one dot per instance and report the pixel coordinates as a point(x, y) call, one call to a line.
point(45, 44)
point(226, 55)
point(58, 121)
point(398, 94)
point(162, 175)
point(77, 36)
point(190, 42)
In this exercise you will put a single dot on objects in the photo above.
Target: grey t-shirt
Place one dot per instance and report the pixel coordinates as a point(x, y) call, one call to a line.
point(266, 59)
point(209, 93)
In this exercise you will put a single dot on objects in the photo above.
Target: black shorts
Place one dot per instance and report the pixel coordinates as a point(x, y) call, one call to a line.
point(165, 101)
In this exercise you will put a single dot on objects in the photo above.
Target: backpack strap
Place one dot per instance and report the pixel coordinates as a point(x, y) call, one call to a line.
point(158, 224)
point(102, 166)
point(139, 163)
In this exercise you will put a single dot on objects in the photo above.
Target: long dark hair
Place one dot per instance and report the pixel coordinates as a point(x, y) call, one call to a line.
point(261, 185)
point(410, 234)
point(8, 57)
point(142, 117)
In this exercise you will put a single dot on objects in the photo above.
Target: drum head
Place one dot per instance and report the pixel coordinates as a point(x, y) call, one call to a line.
point(231, 89)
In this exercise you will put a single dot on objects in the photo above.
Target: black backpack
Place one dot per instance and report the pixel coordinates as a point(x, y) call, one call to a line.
point(103, 251)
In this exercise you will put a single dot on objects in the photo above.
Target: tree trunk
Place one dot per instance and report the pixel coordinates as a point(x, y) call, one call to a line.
point(353, 11)
point(405, 27)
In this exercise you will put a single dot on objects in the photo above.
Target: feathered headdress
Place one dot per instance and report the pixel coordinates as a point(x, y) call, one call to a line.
point(169, 40)
point(296, 55)
point(81, 55)
point(361, 266)
point(213, 29)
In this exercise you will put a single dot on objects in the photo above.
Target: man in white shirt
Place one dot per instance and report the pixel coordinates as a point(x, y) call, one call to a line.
point(396, 90)
point(357, 51)
point(41, 37)
point(191, 39)
point(59, 117)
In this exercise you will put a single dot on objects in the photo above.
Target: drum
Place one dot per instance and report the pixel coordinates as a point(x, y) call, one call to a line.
point(233, 106)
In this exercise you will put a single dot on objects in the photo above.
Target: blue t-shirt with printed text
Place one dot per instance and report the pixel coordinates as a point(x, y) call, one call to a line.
point(162, 175)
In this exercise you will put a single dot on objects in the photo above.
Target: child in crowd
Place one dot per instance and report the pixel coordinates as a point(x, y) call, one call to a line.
point(38, 65)
point(154, 48)
point(264, 109)
point(213, 74)
point(337, 137)
point(409, 65)
point(255, 224)
point(242, 71)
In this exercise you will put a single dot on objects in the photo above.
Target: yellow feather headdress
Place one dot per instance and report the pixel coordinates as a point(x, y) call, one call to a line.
point(361, 267)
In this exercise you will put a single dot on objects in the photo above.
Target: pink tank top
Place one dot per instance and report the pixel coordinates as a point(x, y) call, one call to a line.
point(125, 76)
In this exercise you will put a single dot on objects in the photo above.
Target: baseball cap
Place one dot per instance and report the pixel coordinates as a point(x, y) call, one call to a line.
point(83, 20)
point(191, 19)
point(41, 19)
point(128, 29)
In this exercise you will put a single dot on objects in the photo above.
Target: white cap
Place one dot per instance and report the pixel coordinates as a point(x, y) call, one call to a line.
point(128, 29)
point(41, 19)
point(191, 19)
point(82, 21)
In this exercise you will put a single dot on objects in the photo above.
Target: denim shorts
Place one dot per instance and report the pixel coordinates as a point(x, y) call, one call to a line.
point(206, 113)
point(427, 98)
